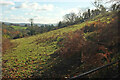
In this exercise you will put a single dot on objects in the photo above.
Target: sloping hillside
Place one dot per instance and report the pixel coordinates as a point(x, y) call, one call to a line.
point(32, 56)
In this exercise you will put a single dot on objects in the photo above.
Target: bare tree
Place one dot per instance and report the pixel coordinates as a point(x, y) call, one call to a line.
point(97, 3)
point(70, 18)
point(89, 13)
point(100, 5)
point(102, 9)
point(116, 1)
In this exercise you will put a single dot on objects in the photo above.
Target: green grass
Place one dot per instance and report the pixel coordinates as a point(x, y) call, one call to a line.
point(18, 27)
point(33, 52)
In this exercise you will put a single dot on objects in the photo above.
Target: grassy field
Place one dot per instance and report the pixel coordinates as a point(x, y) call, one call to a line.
point(33, 53)
point(18, 27)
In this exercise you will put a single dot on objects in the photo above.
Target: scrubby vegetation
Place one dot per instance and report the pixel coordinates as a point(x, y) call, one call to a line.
point(85, 52)
point(73, 48)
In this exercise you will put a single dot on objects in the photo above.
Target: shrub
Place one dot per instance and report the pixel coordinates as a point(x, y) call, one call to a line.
point(6, 44)
point(73, 43)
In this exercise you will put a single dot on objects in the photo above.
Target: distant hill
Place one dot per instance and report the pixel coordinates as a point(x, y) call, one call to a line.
point(23, 24)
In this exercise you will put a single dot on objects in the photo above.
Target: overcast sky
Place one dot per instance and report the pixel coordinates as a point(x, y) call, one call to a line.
point(43, 11)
